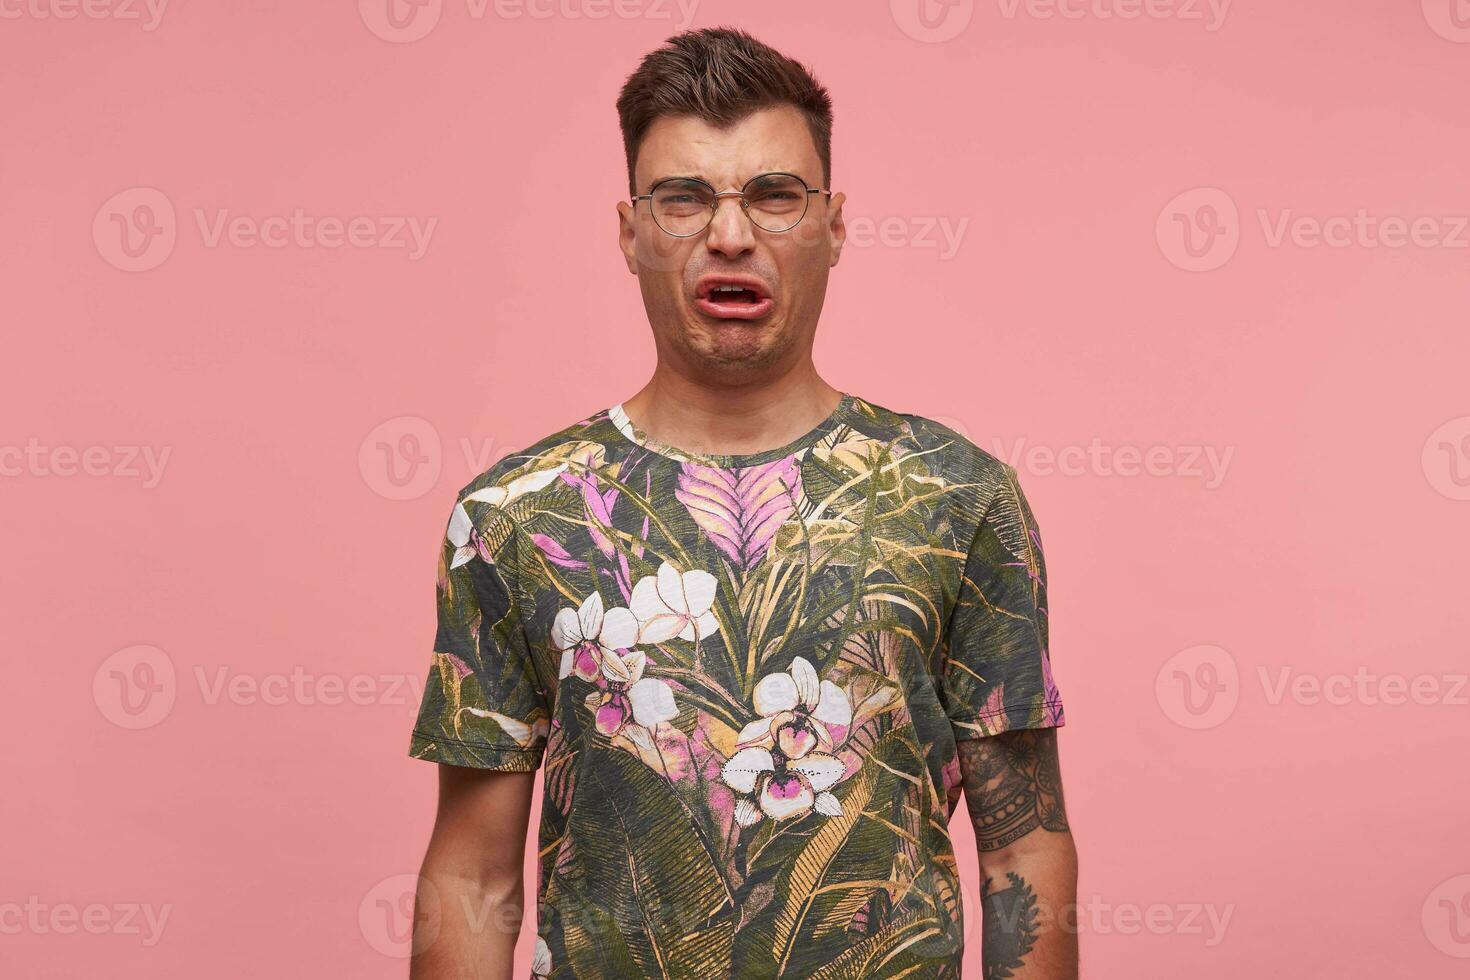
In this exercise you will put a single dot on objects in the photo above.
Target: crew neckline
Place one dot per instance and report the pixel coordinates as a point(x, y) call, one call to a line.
point(638, 437)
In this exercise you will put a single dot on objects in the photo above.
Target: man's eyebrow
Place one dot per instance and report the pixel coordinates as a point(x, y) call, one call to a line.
point(702, 177)
point(679, 177)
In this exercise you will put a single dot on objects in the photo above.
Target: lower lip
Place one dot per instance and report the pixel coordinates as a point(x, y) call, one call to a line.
point(735, 311)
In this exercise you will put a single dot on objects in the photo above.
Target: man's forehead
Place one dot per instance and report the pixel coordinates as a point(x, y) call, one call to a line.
point(736, 175)
point(767, 140)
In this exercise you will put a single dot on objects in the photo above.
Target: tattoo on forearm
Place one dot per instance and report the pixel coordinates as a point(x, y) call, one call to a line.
point(1009, 924)
point(1013, 785)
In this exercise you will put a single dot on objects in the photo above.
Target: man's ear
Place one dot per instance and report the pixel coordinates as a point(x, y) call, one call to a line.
point(836, 226)
point(628, 236)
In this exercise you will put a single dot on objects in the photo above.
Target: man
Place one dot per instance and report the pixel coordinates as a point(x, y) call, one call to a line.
point(756, 631)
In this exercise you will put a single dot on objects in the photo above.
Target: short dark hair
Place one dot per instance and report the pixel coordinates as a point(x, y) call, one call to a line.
point(721, 75)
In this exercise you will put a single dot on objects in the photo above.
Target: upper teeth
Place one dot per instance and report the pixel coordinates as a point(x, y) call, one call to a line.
point(729, 289)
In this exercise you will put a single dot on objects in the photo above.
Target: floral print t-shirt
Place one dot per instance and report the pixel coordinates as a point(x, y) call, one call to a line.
point(743, 678)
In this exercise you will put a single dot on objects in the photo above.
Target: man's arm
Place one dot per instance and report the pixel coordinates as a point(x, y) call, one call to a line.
point(466, 926)
point(1028, 863)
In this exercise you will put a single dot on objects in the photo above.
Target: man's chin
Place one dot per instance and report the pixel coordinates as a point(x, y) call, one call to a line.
point(717, 326)
point(732, 340)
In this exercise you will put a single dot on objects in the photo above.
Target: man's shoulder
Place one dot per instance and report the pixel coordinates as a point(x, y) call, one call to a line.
point(569, 449)
point(944, 448)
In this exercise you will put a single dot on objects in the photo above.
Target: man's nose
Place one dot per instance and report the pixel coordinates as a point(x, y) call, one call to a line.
point(730, 231)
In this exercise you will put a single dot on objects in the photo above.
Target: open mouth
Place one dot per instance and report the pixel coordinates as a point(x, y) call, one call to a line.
point(734, 294)
point(734, 299)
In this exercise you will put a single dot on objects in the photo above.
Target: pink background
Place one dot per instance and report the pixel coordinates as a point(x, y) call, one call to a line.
point(1070, 153)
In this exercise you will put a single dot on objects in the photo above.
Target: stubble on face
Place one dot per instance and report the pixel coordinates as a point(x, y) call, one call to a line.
point(792, 265)
point(732, 349)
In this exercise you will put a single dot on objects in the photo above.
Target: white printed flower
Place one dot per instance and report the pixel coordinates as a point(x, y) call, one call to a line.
point(462, 534)
point(525, 735)
point(541, 959)
point(465, 538)
point(629, 696)
point(587, 634)
point(674, 603)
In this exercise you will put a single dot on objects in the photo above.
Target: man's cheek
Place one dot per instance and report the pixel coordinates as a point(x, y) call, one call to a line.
point(664, 254)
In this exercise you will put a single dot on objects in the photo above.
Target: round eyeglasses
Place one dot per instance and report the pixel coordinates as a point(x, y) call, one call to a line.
point(684, 206)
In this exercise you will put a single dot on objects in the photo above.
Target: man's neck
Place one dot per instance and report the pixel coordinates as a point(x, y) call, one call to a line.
point(731, 419)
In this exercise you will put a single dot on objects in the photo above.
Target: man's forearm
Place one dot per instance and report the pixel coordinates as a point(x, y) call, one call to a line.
point(1028, 861)
point(465, 928)
point(1028, 901)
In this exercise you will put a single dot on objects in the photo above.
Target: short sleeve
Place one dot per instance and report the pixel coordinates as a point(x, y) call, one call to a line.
point(997, 669)
point(484, 705)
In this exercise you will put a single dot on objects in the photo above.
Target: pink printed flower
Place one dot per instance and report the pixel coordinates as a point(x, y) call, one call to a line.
point(1051, 698)
point(741, 509)
point(798, 713)
point(784, 759)
point(782, 787)
point(555, 553)
point(586, 635)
